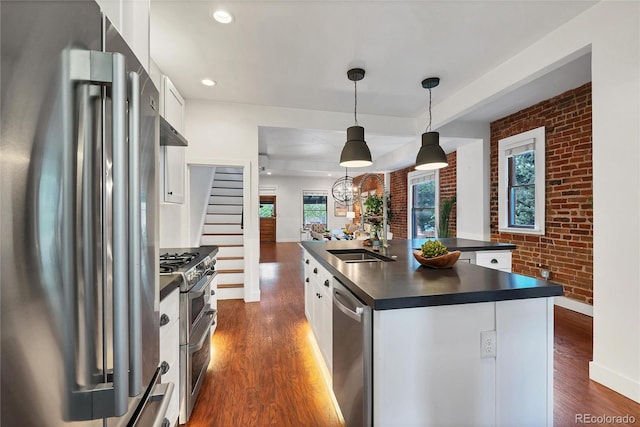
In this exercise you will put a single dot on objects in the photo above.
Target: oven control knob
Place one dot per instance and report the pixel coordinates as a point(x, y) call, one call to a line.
point(164, 367)
point(166, 423)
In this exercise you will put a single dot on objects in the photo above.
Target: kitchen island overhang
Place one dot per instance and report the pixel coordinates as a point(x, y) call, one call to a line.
point(404, 283)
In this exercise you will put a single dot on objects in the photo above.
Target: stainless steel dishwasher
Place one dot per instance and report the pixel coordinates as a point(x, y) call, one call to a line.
point(352, 357)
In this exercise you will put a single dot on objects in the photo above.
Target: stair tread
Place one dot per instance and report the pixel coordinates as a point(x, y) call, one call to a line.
point(230, 285)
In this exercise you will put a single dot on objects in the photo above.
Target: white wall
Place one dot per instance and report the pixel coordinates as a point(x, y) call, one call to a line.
point(200, 181)
point(289, 203)
point(472, 220)
point(473, 177)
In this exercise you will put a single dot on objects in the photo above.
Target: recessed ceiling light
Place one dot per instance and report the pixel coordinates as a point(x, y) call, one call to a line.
point(208, 82)
point(268, 173)
point(222, 16)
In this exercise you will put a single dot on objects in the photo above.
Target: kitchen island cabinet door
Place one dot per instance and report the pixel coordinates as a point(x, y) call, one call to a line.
point(429, 368)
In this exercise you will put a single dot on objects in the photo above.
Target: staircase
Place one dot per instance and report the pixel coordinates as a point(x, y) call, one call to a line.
point(223, 228)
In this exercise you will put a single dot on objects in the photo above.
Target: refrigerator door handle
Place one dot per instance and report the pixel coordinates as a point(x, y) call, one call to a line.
point(135, 250)
point(106, 399)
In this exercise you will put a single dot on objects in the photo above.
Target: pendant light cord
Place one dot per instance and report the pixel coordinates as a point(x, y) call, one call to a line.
point(355, 104)
point(429, 125)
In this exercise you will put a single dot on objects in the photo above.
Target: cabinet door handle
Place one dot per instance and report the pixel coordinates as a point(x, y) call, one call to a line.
point(494, 261)
point(306, 280)
point(306, 262)
point(164, 319)
point(315, 271)
point(326, 283)
point(170, 193)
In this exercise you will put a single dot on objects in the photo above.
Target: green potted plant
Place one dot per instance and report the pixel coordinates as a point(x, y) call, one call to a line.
point(446, 206)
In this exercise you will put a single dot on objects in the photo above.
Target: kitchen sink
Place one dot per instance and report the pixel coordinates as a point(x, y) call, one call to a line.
point(351, 256)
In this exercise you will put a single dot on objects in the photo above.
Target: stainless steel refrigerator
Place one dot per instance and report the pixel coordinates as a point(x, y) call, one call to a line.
point(78, 222)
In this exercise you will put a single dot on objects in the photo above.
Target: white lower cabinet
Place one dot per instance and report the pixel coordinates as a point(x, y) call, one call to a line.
point(498, 260)
point(429, 367)
point(170, 351)
point(318, 288)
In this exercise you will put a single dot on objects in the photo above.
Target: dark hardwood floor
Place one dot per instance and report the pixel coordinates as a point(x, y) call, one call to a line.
point(264, 371)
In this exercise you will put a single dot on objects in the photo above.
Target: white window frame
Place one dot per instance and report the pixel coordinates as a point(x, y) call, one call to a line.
point(537, 138)
point(324, 193)
point(416, 177)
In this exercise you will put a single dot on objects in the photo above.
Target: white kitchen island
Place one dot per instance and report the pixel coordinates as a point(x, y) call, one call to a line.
point(466, 346)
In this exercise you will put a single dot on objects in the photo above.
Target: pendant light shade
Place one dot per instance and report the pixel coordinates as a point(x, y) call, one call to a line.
point(431, 156)
point(355, 153)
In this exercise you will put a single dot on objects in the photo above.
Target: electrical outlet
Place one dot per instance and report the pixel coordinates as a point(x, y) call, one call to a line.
point(488, 344)
point(546, 274)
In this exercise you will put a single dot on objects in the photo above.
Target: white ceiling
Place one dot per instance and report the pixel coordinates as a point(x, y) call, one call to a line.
point(296, 54)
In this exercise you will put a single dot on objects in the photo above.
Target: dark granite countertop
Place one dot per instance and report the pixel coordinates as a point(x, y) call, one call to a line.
point(467, 245)
point(404, 283)
point(169, 282)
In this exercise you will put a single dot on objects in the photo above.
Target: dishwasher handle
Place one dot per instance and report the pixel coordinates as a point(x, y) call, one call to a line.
point(339, 297)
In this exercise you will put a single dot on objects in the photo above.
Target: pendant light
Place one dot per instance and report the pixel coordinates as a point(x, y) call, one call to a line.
point(431, 156)
point(355, 153)
point(342, 190)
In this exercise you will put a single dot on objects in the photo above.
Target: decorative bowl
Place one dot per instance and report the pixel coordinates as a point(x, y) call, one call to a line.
point(442, 261)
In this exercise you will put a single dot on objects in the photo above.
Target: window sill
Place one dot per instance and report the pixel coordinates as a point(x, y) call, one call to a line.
point(532, 231)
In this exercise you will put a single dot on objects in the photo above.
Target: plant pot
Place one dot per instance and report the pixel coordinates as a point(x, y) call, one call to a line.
point(442, 261)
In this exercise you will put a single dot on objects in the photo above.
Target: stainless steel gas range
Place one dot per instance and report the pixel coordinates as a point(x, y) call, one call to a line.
point(197, 315)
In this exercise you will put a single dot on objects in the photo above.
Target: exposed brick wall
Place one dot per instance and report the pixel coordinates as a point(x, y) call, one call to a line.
point(566, 249)
point(399, 201)
point(448, 188)
point(369, 184)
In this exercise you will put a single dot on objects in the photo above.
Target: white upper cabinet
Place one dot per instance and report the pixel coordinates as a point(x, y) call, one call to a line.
point(172, 105)
point(131, 18)
point(172, 158)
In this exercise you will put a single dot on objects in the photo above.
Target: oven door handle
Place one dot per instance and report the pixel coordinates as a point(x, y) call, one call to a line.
point(204, 334)
point(199, 290)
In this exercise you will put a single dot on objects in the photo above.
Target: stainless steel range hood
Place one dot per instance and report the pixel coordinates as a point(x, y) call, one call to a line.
point(170, 136)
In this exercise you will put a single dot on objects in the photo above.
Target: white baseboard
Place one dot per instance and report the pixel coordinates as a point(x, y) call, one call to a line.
point(615, 381)
point(574, 305)
point(253, 296)
point(230, 293)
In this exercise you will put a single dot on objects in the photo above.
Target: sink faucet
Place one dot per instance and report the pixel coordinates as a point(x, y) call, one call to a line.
point(384, 206)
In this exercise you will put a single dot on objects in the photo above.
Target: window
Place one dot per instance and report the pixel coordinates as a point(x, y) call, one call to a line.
point(267, 207)
point(314, 207)
point(422, 200)
point(521, 182)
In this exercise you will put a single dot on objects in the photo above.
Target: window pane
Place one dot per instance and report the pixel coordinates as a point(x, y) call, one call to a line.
point(266, 210)
point(522, 209)
point(424, 194)
point(524, 172)
point(314, 209)
point(424, 223)
point(423, 209)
